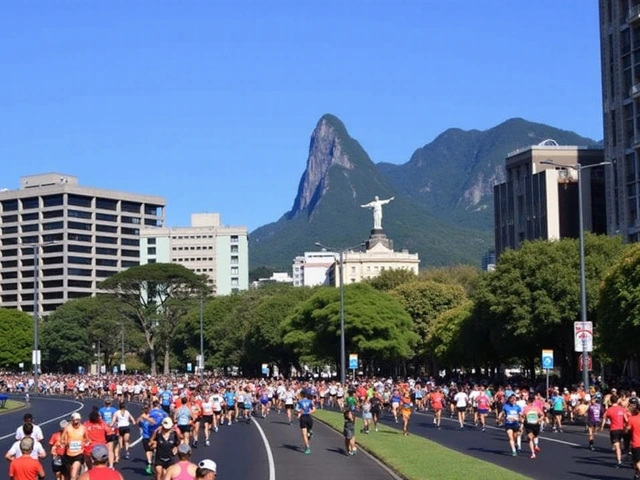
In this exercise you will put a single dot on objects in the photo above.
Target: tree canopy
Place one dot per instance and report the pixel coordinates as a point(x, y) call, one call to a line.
point(16, 338)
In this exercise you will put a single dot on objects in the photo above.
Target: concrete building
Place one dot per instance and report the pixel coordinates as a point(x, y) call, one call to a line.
point(310, 269)
point(540, 201)
point(620, 66)
point(206, 247)
point(84, 235)
point(276, 277)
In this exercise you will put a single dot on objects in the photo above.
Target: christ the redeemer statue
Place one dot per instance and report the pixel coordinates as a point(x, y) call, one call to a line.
point(376, 206)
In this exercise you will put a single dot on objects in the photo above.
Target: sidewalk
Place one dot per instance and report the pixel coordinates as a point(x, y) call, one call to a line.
point(327, 458)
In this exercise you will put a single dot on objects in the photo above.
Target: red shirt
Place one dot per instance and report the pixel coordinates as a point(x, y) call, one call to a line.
point(618, 416)
point(103, 474)
point(634, 426)
point(54, 441)
point(25, 468)
point(97, 433)
point(436, 400)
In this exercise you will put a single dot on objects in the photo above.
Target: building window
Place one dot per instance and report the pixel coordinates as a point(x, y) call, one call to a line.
point(52, 214)
point(151, 241)
point(106, 262)
point(78, 238)
point(26, 217)
point(234, 282)
point(106, 251)
point(78, 214)
point(130, 207)
point(234, 248)
point(9, 230)
point(52, 201)
point(79, 260)
point(234, 238)
point(79, 226)
point(10, 218)
point(106, 217)
point(79, 201)
point(30, 228)
point(234, 270)
point(78, 248)
point(151, 250)
point(130, 231)
point(106, 204)
point(29, 203)
point(106, 228)
point(234, 260)
point(133, 242)
point(129, 264)
point(53, 225)
point(151, 260)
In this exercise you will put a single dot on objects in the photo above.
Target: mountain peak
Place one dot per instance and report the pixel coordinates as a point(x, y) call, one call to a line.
point(326, 149)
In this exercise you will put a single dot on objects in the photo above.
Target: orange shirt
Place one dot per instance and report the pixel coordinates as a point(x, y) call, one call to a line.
point(618, 417)
point(25, 468)
point(54, 441)
point(436, 400)
point(75, 440)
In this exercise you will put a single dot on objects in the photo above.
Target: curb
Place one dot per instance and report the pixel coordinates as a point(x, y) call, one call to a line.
point(394, 474)
point(17, 409)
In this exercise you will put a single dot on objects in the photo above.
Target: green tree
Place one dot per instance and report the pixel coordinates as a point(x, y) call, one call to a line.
point(257, 273)
point(376, 327)
point(532, 299)
point(159, 295)
point(618, 326)
point(16, 338)
point(424, 300)
point(392, 278)
point(466, 275)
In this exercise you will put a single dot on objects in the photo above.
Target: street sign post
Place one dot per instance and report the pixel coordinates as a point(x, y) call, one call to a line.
point(583, 335)
point(265, 369)
point(589, 362)
point(353, 363)
point(547, 364)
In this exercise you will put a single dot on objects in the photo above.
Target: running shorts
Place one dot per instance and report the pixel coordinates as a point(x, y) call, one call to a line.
point(306, 422)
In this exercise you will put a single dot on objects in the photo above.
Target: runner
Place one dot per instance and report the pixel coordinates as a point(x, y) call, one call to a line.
point(511, 414)
point(483, 404)
point(122, 420)
point(164, 441)
point(436, 399)
point(37, 452)
point(207, 418)
point(217, 402)
point(633, 426)
point(376, 407)
point(206, 470)
point(37, 431)
point(24, 466)
point(617, 416)
point(107, 413)
point(100, 470)
point(558, 406)
point(533, 416)
point(166, 398)
point(195, 405)
point(406, 408)
point(461, 399)
point(184, 420)
point(594, 417)
point(97, 432)
point(395, 404)
point(349, 433)
point(74, 437)
point(305, 408)
point(58, 451)
point(183, 469)
point(147, 425)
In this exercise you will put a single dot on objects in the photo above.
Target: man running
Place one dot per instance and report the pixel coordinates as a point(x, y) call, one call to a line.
point(184, 420)
point(511, 414)
point(147, 426)
point(74, 437)
point(617, 416)
point(107, 413)
point(305, 408)
point(633, 427)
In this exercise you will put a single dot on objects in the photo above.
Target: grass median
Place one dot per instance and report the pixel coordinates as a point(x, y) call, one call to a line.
point(416, 458)
point(10, 406)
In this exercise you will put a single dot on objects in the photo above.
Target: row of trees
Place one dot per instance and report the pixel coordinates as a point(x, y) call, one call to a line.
point(443, 318)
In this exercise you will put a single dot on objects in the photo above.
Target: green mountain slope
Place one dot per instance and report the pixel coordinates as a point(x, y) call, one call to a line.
point(454, 175)
point(339, 178)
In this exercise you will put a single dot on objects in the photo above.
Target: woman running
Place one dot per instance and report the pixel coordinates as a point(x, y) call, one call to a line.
point(122, 420)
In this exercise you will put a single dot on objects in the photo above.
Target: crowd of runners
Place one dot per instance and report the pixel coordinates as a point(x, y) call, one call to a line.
point(181, 413)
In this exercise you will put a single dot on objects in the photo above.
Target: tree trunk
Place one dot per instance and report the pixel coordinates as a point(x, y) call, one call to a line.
point(167, 357)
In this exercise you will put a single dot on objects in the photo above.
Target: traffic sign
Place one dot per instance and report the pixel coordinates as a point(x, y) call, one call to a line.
point(265, 369)
point(589, 362)
point(547, 359)
point(353, 361)
point(583, 333)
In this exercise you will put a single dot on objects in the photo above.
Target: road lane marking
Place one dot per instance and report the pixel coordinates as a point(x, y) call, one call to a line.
point(272, 465)
point(53, 419)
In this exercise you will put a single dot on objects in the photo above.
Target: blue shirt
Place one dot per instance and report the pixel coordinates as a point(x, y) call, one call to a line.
point(166, 398)
point(305, 406)
point(158, 415)
point(230, 398)
point(107, 413)
point(511, 414)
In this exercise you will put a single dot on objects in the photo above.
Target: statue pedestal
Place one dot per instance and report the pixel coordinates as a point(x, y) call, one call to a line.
point(378, 236)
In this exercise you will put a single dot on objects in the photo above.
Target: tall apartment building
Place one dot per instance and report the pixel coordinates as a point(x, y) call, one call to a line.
point(206, 247)
point(540, 201)
point(620, 65)
point(84, 235)
point(310, 269)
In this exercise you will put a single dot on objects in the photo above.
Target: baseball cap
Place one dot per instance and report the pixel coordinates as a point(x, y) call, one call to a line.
point(63, 424)
point(99, 453)
point(75, 416)
point(208, 465)
point(167, 422)
point(184, 448)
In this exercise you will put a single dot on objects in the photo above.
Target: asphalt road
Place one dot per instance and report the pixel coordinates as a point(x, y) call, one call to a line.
point(563, 456)
point(266, 449)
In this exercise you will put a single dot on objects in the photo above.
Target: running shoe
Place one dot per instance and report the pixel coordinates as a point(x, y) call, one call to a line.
point(148, 470)
point(207, 443)
point(310, 433)
point(592, 448)
point(514, 453)
point(215, 429)
point(619, 465)
point(307, 451)
point(533, 455)
point(536, 449)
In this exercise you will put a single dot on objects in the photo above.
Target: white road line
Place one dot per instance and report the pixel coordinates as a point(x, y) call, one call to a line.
point(272, 465)
point(53, 419)
point(546, 439)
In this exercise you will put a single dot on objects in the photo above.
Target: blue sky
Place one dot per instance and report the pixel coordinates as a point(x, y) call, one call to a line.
point(211, 102)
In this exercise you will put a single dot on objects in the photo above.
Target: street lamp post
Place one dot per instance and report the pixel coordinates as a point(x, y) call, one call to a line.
point(201, 362)
point(583, 283)
point(35, 247)
point(343, 353)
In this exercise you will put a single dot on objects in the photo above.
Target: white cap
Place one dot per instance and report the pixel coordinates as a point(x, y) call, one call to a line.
point(208, 465)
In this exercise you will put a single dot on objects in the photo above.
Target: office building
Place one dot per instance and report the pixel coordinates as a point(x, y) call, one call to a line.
point(620, 66)
point(84, 235)
point(206, 247)
point(540, 201)
point(310, 269)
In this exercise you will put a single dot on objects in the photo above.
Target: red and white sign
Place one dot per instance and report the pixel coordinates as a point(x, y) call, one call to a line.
point(583, 334)
point(589, 362)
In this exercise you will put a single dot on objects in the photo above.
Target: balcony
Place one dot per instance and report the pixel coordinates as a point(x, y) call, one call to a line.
point(634, 15)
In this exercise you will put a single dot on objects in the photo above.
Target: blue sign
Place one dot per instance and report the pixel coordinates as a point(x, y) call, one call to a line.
point(547, 359)
point(265, 369)
point(189, 367)
point(353, 361)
